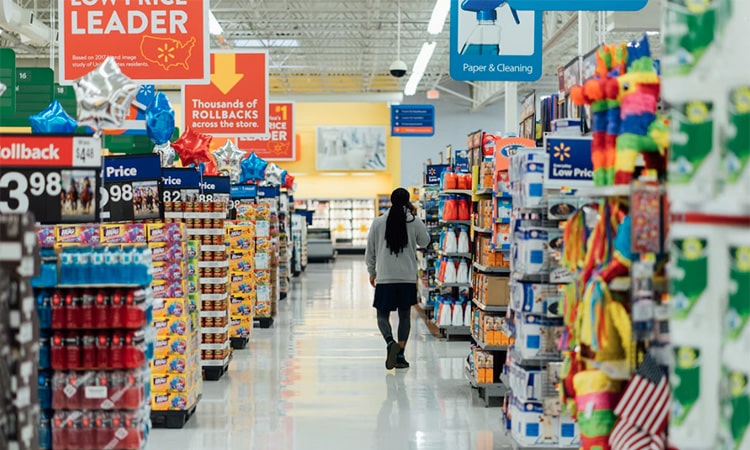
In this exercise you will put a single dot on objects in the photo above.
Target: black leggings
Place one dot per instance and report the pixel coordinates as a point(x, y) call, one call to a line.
point(404, 324)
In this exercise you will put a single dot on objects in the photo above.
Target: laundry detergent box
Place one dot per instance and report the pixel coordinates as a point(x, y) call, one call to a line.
point(531, 426)
point(569, 434)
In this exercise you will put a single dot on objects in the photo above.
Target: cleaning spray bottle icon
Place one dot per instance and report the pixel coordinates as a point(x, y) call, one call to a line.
point(485, 37)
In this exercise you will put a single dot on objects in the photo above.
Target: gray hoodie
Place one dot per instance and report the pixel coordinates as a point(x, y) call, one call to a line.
point(389, 268)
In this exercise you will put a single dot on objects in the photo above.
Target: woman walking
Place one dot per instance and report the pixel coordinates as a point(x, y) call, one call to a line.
point(392, 265)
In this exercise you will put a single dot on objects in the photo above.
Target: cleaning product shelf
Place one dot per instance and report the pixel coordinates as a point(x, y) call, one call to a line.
point(483, 191)
point(485, 308)
point(486, 269)
point(456, 192)
point(456, 222)
point(456, 254)
point(482, 230)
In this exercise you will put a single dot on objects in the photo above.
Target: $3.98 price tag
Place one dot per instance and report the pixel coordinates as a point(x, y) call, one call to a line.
point(130, 189)
point(53, 177)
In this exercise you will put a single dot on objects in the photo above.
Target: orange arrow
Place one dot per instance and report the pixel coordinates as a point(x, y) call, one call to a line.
point(225, 76)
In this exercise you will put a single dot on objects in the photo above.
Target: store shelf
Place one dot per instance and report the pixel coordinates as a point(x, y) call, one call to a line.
point(605, 191)
point(536, 361)
point(517, 446)
point(502, 220)
point(624, 284)
point(483, 230)
point(501, 388)
point(456, 254)
point(456, 222)
point(453, 285)
point(456, 192)
point(489, 348)
point(486, 308)
point(504, 196)
point(483, 191)
point(490, 270)
point(451, 330)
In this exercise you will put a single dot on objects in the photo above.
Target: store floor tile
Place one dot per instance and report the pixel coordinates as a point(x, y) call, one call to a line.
point(317, 381)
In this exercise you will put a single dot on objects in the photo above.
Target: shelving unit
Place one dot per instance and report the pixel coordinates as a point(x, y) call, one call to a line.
point(383, 203)
point(348, 220)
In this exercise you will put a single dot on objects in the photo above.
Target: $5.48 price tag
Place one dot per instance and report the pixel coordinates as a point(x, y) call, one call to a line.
point(55, 178)
point(130, 188)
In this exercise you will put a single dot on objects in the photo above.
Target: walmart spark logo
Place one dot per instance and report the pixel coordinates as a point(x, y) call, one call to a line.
point(431, 171)
point(561, 151)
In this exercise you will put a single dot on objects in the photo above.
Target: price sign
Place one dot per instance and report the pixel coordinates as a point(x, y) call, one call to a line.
point(130, 188)
point(180, 185)
point(54, 177)
point(214, 188)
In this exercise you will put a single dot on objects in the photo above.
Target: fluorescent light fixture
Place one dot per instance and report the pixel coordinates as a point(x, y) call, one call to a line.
point(653, 33)
point(333, 174)
point(265, 43)
point(213, 25)
point(420, 65)
point(439, 14)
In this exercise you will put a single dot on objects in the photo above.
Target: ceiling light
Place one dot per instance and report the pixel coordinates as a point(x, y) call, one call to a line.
point(420, 65)
point(439, 14)
point(652, 33)
point(265, 43)
point(213, 25)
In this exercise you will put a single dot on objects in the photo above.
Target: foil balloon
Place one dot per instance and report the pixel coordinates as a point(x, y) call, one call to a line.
point(288, 181)
point(274, 174)
point(228, 158)
point(166, 154)
point(160, 119)
point(3, 87)
point(53, 120)
point(192, 147)
point(104, 96)
point(252, 168)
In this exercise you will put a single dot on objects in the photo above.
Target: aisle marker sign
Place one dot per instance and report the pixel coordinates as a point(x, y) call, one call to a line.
point(413, 120)
point(279, 144)
point(130, 188)
point(54, 177)
point(161, 42)
point(235, 102)
point(490, 41)
point(579, 5)
point(569, 162)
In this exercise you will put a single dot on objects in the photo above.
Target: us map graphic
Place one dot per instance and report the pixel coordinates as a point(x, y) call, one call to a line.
point(167, 52)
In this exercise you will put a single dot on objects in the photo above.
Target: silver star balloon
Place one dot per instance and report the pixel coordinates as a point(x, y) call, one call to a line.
point(228, 158)
point(2, 88)
point(166, 154)
point(104, 96)
point(273, 174)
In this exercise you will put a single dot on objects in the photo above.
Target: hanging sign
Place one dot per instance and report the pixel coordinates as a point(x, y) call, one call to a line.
point(179, 184)
point(579, 5)
point(244, 191)
point(53, 177)
point(235, 102)
point(413, 120)
point(434, 174)
point(130, 188)
point(161, 42)
point(279, 144)
point(269, 191)
point(490, 41)
point(569, 162)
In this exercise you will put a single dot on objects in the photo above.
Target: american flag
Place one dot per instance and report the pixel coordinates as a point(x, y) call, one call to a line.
point(643, 411)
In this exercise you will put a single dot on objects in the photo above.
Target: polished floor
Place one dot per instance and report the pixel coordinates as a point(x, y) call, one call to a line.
point(317, 381)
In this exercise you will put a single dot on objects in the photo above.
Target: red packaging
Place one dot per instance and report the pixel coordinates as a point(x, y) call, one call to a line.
point(131, 424)
point(88, 351)
point(87, 434)
point(87, 319)
point(117, 310)
point(450, 209)
point(464, 209)
point(58, 311)
point(57, 352)
point(101, 309)
point(117, 351)
point(135, 311)
point(104, 433)
point(135, 356)
point(72, 351)
point(450, 181)
point(72, 391)
point(59, 398)
point(73, 425)
point(103, 343)
point(59, 432)
point(133, 395)
point(97, 396)
point(72, 309)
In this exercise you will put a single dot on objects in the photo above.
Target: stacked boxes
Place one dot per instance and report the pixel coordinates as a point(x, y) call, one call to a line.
point(486, 254)
point(241, 249)
point(484, 214)
point(260, 214)
point(490, 329)
point(491, 290)
point(19, 334)
point(482, 366)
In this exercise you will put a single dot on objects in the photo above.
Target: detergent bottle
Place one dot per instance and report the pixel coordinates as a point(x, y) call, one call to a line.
point(485, 37)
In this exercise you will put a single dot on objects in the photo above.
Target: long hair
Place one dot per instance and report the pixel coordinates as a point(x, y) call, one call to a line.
point(396, 236)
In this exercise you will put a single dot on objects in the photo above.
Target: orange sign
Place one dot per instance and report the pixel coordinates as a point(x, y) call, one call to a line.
point(153, 41)
point(235, 103)
point(279, 143)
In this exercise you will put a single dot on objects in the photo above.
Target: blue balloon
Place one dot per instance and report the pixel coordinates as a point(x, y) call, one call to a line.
point(252, 168)
point(284, 173)
point(160, 119)
point(53, 120)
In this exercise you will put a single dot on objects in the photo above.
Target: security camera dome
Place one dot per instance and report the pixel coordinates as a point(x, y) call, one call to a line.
point(398, 69)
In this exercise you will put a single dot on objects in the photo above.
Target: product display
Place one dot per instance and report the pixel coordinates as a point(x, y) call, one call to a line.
point(348, 219)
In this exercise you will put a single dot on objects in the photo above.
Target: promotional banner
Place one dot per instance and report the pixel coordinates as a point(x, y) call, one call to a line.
point(55, 178)
point(412, 120)
point(434, 173)
point(244, 191)
point(159, 42)
point(280, 142)
point(569, 163)
point(130, 188)
point(492, 41)
point(180, 184)
point(235, 102)
point(577, 5)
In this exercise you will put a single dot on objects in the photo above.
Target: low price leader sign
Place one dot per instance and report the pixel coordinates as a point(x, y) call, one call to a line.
point(235, 102)
point(279, 143)
point(159, 41)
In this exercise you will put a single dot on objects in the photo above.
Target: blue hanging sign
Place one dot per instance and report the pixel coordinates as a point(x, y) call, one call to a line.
point(130, 188)
point(461, 161)
point(579, 5)
point(269, 191)
point(434, 173)
point(491, 41)
point(215, 185)
point(413, 120)
point(180, 184)
point(569, 162)
point(243, 191)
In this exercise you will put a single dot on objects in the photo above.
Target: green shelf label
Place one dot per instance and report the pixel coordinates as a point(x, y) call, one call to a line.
point(8, 78)
point(34, 92)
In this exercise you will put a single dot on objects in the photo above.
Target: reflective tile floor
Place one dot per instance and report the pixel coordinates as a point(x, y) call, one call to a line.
point(317, 381)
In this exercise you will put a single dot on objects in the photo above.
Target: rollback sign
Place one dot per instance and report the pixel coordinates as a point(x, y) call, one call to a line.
point(54, 177)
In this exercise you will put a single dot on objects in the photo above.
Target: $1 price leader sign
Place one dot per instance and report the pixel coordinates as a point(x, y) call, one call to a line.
point(131, 188)
point(54, 177)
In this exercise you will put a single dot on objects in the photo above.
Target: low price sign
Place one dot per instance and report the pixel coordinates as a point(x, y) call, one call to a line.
point(215, 188)
point(235, 102)
point(180, 184)
point(130, 188)
point(53, 177)
point(569, 163)
point(279, 143)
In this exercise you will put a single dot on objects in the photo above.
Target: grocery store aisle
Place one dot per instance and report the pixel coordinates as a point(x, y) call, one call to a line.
point(317, 381)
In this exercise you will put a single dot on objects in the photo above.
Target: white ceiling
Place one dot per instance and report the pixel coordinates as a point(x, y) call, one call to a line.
point(330, 46)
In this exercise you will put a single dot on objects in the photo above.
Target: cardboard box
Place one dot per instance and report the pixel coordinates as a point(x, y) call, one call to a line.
point(497, 291)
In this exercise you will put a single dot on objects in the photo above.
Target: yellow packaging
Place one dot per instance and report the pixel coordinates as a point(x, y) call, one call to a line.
point(241, 261)
point(171, 402)
point(262, 277)
point(166, 232)
point(172, 383)
point(263, 245)
point(171, 363)
point(240, 326)
point(172, 326)
point(241, 305)
point(170, 307)
point(246, 212)
point(166, 345)
point(241, 237)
